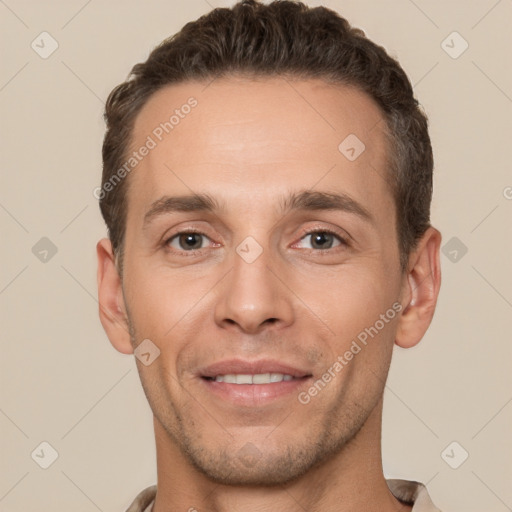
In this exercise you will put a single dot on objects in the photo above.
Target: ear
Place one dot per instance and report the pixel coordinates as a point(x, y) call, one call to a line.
point(420, 290)
point(112, 308)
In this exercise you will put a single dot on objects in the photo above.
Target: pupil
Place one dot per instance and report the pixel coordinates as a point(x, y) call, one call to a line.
point(321, 238)
point(189, 241)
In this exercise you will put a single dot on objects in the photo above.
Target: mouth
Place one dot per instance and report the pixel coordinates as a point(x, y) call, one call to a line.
point(253, 383)
point(259, 378)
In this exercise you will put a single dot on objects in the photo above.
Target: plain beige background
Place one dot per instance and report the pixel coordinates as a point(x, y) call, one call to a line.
point(61, 380)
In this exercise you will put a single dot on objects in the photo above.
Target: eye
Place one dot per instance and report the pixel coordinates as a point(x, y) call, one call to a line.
point(186, 241)
point(323, 239)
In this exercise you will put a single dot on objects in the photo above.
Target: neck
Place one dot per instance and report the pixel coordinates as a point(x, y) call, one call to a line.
point(351, 480)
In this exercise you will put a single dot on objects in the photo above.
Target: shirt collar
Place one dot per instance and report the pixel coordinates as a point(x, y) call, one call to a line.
point(407, 491)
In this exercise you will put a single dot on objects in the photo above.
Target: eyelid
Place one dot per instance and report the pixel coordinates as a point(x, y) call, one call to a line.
point(184, 231)
point(343, 238)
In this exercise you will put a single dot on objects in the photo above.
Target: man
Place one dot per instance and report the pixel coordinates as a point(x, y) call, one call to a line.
point(266, 186)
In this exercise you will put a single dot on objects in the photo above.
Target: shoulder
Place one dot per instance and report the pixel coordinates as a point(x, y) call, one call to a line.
point(408, 491)
point(143, 499)
point(412, 493)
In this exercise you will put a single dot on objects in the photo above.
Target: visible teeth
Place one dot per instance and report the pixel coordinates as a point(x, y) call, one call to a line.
point(243, 379)
point(259, 378)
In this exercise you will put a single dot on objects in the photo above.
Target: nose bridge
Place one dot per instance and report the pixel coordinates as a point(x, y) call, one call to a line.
point(251, 294)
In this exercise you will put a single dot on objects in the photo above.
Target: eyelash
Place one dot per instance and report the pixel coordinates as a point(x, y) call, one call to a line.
point(185, 232)
point(343, 241)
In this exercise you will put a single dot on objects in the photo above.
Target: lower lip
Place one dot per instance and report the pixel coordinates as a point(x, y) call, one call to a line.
point(255, 394)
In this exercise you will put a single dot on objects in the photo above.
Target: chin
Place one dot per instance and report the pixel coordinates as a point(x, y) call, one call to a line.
point(260, 475)
point(250, 466)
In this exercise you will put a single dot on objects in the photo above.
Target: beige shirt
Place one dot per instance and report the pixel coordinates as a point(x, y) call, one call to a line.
point(411, 493)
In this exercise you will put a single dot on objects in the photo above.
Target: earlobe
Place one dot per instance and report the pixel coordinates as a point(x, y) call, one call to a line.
point(421, 289)
point(112, 309)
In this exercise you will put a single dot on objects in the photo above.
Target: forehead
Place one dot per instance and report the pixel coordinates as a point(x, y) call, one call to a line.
point(238, 137)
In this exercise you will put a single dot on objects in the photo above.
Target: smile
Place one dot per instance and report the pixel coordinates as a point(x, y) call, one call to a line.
point(247, 378)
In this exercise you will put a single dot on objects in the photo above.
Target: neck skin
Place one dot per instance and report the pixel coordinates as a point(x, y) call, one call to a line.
point(350, 481)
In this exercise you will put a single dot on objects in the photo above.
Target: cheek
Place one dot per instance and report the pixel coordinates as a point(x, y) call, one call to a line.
point(353, 310)
point(352, 297)
point(166, 307)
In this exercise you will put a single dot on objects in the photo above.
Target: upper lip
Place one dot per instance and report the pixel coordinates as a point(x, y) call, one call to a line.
point(240, 366)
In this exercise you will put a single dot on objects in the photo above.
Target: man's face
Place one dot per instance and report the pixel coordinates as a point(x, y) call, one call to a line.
point(203, 299)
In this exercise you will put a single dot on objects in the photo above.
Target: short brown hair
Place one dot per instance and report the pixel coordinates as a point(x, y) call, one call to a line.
point(283, 38)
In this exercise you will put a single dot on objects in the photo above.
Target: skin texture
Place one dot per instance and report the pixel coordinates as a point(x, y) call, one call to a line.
point(247, 143)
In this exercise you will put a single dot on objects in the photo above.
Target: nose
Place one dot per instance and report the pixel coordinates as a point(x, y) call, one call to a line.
point(254, 297)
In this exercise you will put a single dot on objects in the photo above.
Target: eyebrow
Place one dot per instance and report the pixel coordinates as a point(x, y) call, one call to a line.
point(299, 201)
point(188, 203)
